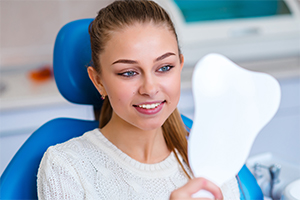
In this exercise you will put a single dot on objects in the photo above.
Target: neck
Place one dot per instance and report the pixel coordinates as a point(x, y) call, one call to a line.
point(145, 146)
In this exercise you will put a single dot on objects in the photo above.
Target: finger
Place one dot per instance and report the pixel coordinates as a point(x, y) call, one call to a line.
point(195, 185)
point(212, 188)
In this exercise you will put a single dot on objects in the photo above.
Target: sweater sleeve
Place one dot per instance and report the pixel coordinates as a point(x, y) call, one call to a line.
point(57, 178)
point(231, 190)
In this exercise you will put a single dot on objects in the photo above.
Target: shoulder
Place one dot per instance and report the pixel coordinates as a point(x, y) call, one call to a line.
point(77, 143)
point(73, 148)
point(75, 156)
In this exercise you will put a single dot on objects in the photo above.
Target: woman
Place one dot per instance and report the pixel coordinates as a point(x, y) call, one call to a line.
point(140, 148)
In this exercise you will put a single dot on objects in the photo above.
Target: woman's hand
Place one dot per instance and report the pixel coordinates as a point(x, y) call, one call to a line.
point(193, 186)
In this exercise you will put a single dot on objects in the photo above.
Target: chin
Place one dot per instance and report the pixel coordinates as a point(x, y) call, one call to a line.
point(149, 126)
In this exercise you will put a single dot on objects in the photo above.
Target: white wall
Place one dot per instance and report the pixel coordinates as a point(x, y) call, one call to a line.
point(28, 27)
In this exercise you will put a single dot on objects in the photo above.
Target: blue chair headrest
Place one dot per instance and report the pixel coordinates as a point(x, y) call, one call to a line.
point(72, 55)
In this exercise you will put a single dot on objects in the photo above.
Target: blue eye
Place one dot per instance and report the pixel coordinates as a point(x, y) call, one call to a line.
point(165, 68)
point(128, 73)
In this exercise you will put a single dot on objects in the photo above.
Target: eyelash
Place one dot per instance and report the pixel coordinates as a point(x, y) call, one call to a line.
point(129, 74)
point(168, 66)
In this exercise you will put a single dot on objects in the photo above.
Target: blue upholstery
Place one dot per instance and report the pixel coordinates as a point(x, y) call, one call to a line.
point(18, 181)
point(71, 56)
point(249, 187)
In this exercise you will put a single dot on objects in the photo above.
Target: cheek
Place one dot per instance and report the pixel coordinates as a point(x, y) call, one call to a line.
point(119, 93)
point(172, 87)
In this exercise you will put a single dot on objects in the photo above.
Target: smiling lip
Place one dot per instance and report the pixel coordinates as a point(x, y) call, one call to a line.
point(149, 108)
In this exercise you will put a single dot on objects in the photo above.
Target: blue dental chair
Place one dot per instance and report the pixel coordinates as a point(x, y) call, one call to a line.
point(72, 54)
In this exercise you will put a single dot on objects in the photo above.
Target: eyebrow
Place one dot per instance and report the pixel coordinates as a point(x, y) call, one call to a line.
point(126, 61)
point(164, 56)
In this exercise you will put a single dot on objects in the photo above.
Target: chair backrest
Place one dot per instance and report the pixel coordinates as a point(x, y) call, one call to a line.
point(18, 181)
point(71, 56)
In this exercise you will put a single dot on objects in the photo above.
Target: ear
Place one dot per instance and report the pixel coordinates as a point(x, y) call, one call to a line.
point(181, 61)
point(96, 79)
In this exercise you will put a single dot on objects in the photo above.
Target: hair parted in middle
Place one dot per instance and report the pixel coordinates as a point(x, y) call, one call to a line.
point(115, 17)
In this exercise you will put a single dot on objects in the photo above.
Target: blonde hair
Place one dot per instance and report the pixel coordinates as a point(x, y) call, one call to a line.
point(121, 14)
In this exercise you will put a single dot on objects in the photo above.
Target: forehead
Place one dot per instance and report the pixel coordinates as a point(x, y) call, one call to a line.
point(141, 37)
point(140, 30)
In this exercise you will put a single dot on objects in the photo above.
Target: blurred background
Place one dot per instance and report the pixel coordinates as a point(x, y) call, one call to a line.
point(259, 35)
point(28, 94)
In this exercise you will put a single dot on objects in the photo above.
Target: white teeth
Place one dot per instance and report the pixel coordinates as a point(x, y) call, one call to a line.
point(149, 106)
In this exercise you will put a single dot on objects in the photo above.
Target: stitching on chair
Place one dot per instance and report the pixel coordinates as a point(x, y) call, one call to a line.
point(240, 186)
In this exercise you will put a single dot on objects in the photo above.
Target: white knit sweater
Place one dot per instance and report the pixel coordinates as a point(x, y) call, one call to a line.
point(91, 167)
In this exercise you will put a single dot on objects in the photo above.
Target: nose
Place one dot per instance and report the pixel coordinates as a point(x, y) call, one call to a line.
point(149, 85)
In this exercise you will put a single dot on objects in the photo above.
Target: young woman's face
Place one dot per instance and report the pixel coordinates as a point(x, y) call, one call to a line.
point(140, 74)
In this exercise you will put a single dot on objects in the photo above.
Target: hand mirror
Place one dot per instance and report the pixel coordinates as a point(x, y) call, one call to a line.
point(232, 105)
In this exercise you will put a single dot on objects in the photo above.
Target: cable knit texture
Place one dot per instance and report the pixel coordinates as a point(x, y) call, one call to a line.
point(91, 167)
